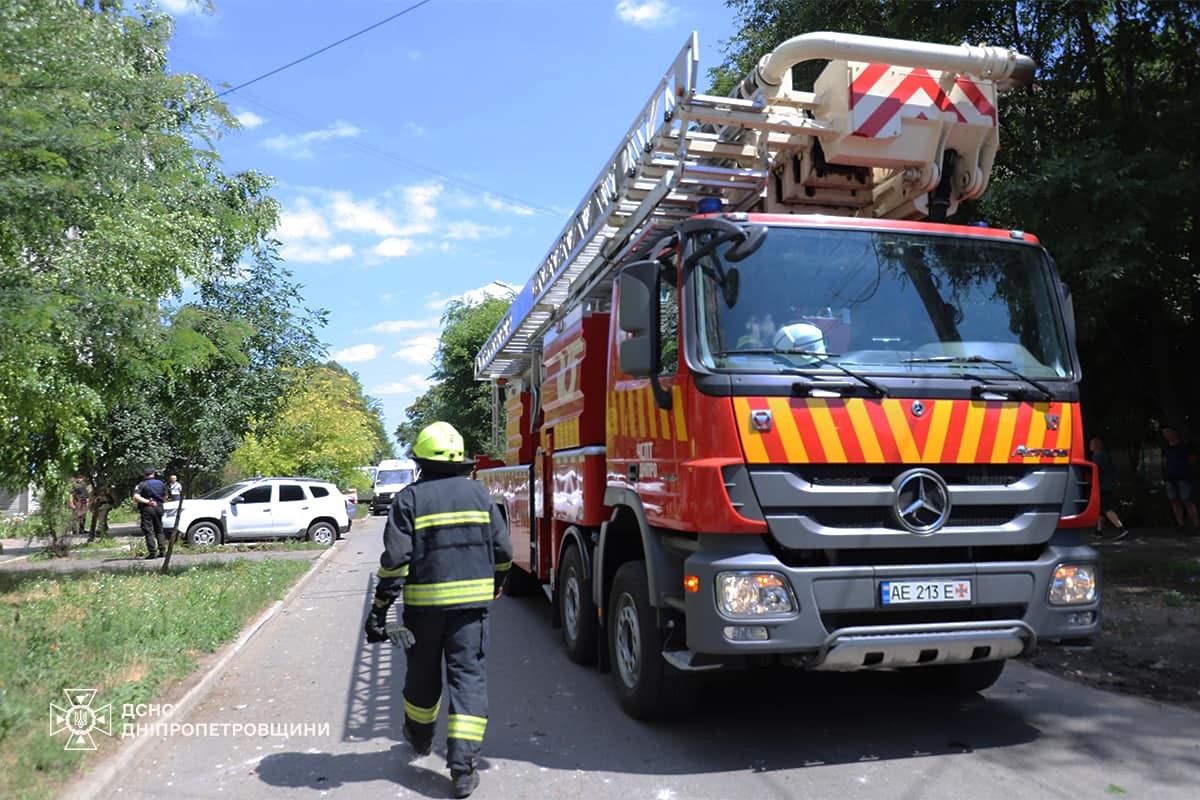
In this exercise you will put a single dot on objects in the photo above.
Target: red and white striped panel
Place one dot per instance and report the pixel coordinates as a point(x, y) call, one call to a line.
point(881, 95)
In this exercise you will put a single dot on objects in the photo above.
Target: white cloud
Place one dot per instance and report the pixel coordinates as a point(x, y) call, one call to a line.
point(402, 325)
point(474, 296)
point(491, 202)
point(308, 253)
point(410, 384)
point(357, 354)
point(249, 119)
point(647, 14)
point(178, 7)
point(349, 214)
point(473, 230)
point(303, 223)
point(414, 130)
point(496, 204)
point(418, 349)
point(297, 145)
point(394, 247)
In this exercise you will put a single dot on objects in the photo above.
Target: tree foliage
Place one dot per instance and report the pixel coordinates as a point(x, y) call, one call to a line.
point(112, 200)
point(456, 397)
point(325, 428)
point(1098, 158)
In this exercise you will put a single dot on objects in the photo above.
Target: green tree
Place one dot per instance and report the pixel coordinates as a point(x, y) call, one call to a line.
point(1098, 158)
point(456, 397)
point(220, 362)
point(111, 198)
point(325, 428)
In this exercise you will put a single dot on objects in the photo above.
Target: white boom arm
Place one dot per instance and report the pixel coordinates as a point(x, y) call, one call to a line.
point(892, 129)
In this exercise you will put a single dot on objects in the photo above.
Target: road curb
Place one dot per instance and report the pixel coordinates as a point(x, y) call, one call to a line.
point(99, 781)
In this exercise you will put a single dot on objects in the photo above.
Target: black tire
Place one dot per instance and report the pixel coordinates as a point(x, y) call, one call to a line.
point(647, 686)
point(576, 608)
point(204, 533)
point(956, 679)
point(323, 533)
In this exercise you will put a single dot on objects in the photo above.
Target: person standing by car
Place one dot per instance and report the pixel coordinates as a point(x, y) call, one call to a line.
point(174, 490)
point(149, 498)
point(447, 547)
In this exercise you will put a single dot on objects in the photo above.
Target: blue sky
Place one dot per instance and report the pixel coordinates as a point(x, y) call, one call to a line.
point(435, 155)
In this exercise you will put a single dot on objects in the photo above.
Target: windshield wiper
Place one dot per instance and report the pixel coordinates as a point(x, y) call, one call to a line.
point(1047, 394)
point(875, 387)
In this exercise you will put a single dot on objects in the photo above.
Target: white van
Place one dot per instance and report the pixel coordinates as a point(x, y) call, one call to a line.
point(392, 476)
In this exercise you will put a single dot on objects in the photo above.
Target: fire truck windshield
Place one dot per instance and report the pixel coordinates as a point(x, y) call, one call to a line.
point(883, 302)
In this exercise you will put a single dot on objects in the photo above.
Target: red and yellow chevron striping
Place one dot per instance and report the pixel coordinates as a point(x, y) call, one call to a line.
point(865, 431)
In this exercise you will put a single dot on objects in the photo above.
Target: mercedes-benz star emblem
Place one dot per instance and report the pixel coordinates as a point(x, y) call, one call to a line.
point(922, 503)
point(918, 408)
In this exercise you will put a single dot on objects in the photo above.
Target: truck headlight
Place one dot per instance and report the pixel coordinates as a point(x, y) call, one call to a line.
point(1072, 584)
point(753, 594)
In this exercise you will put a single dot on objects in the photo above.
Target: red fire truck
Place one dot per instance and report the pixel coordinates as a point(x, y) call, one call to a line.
point(765, 405)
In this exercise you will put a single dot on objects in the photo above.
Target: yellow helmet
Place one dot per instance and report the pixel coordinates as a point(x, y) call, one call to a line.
point(439, 442)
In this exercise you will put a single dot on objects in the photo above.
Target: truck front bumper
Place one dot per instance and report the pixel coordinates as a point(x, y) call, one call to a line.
point(842, 624)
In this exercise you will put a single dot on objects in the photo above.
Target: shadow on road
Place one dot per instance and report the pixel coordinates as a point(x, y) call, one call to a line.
point(325, 771)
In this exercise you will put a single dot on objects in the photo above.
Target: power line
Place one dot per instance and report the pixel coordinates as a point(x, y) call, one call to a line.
point(343, 40)
point(412, 165)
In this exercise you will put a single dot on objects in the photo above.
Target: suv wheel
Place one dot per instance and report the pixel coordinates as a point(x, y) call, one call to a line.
point(323, 533)
point(203, 534)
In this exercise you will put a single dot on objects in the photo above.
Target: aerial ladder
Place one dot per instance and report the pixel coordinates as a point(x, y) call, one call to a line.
point(892, 129)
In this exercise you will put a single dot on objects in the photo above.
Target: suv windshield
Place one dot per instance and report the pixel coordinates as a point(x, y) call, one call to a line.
point(225, 491)
point(883, 302)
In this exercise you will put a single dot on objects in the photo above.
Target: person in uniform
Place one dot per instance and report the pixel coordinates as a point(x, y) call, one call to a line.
point(149, 498)
point(447, 551)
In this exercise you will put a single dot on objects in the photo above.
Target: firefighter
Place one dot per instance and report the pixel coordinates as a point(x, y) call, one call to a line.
point(447, 547)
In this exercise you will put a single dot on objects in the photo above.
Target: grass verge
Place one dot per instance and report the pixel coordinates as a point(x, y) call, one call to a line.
point(135, 548)
point(126, 635)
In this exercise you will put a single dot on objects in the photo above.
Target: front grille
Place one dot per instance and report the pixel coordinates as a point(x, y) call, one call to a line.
point(884, 474)
point(879, 517)
point(836, 620)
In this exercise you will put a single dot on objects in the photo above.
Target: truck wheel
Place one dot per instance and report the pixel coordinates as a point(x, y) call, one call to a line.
point(647, 686)
point(955, 678)
point(576, 608)
point(322, 533)
point(203, 534)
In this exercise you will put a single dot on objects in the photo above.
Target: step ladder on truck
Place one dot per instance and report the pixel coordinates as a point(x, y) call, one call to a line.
point(766, 406)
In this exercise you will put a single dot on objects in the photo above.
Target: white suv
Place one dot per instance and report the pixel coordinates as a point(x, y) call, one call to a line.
point(263, 508)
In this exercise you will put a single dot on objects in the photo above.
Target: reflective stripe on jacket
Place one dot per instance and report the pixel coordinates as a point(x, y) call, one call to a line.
point(445, 544)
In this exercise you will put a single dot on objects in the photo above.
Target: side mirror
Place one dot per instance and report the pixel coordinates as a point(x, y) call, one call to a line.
point(637, 314)
point(236, 500)
point(755, 236)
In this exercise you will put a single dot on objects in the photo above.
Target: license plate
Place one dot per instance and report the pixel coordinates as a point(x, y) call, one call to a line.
point(935, 591)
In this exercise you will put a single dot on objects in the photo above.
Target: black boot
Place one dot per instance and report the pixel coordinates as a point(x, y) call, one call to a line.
point(463, 783)
point(422, 745)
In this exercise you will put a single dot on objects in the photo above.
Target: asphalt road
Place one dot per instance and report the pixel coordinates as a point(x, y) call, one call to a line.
point(556, 730)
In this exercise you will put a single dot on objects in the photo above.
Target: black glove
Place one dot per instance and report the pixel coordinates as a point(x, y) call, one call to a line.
point(401, 636)
point(376, 627)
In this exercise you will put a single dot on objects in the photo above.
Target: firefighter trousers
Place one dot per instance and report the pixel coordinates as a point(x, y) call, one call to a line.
point(459, 636)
